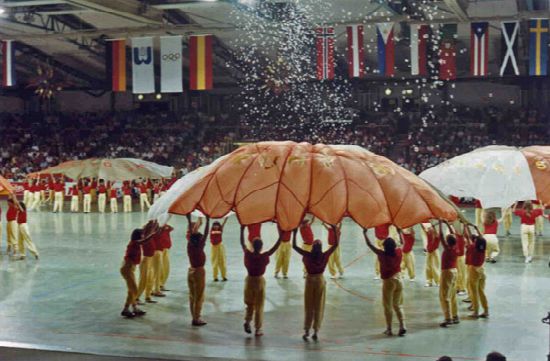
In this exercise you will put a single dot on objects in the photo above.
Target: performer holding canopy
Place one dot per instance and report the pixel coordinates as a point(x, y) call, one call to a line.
point(196, 275)
point(315, 262)
point(528, 217)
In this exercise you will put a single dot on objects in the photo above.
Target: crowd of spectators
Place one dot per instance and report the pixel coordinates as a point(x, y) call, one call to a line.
point(418, 140)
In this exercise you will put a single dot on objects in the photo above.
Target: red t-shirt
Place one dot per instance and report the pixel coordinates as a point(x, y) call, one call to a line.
point(254, 231)
point(477, 258)
point(149, 247)
point(477, 204)
point(102, 189)
point(460, 245)
point(408, 242)
point(58, 187)
point(307, 234)
point(455, 200)
point(127, 191)
point(382, 232)
point(390, 265)
point(196, 255)
point(528, 219)
point(315, 266)
point(286, 236)
point(166, 239)
point(490, 228)
point(255, 263)
point(22, 217)
point(11, 214)
point(113, 192)
point(448, 258)
point(142, 188)
point(74, 191)
point(433, 241)
point(331, 237)
point(215, 237)
point(157, 242)
point(133, 253)
point(87, 189)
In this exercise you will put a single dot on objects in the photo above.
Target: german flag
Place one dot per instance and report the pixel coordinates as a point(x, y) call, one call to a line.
point(116, 65)
point(200, 62)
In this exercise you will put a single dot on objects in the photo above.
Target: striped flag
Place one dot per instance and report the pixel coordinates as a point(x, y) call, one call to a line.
point(447, 52)
point(325, 53)
point(8, 70)
point(538, 47)
point(386, 48)
point(116, 65)
point(479, 48)
point(200, 62)
point(356, 58)
point(419, 48)
point(509, 47)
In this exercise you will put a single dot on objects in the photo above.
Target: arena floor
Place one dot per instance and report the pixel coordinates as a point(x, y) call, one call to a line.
point(71, 298)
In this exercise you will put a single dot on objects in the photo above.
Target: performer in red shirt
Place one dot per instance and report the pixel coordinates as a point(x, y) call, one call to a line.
point(143, 196)
point(254, 289)
point(217, 254)
point(59, 195)
point(461, 283)
point(157, 266)
point(166, 240)
point(528, 217)
point(282, 257)
point(196, 275)
point(476, 274)
point(490, 229)
point(102, 196)
point(156, 190)
point(25, 240)
point(407, 240)
point(334, 263)
point(478, 213)
point(432, 254)
point(36, 195)
point(447, 288)
point(315, 262)
point(87, 202)
point(127, 199)
point(392, 286)
point(539, 221)
point(73, 192)
point(113, 202)
point(381, 233)
point(146, 270)
point(12, 228)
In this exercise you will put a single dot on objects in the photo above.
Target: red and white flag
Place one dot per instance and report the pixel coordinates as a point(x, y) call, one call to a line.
point(325, 53)
point(419, 45)
point(356, 58)
point(479, 48)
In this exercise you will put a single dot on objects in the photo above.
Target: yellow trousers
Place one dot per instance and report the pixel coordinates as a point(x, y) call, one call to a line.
point(314, 301)
point(492, 245)
point(476, 279)
point(25, 241)
point(127, 203)
point(408, 264)
point(334, 263)
point(12, 235)
point(254, 298)
point(127, 272)
point(379, 243)
point(432, 267)
point(165, 267)
point(26, 199)
point(447, 293)
point(528, 239)
point(101, 202)
point(506, 214)
point(392, 300)
point(74, 204)
point(157, 271)
point(87, 203)
point(36, 199)
point(145, 277)
point(217, 257)
point(144, 201)
point(461, 273)
point(114, 205)
point(539, 221)
point(195, 282)
point(283, 258)
point(479, 217)
point(58, 202)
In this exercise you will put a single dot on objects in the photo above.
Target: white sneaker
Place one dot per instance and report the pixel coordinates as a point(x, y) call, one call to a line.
point(376, 278)
point(412, 280)
point(530, 259)
point(526, 259)
point(428, 284)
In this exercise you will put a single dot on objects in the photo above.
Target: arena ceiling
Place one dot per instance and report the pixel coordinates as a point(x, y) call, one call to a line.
point(69, 35)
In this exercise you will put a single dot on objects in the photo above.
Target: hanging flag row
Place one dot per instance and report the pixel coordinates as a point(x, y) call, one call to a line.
point(171, 64)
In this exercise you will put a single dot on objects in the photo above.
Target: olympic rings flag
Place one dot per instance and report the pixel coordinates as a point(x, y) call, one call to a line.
point(171, 77)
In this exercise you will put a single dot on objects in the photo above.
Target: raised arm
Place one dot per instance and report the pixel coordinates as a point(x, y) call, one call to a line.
point(276, 245)
point(223, 223)
point(400, 233)
point(206, 227)
point(327, 227)
point(189, 223)
point(242, 238)
point(369, 243)
point(294, 245)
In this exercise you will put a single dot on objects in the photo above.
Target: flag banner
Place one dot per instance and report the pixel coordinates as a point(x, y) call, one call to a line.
point(386, 48)
point(447, 52)
point(200, 62)
point(143, 66)
point(419, 45)
point(509, 48)
point(538, 47)
point(479, 48)
point(356, 51)
point(116, 65)
point(325, 53)
point(171, 76)
point(8, 69)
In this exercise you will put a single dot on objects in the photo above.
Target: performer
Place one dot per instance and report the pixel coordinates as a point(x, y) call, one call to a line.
point(381, 233)
point(113, 202)
point(196, 275)
point(157, 266)
point(12, 228)
point(87, 202)
point(127, 199)
point(432, 255)
point(25, 240)
point(102, 196)
point(156, 191)
point(334, 262)
point(392, 287)
point(131, 259)
point(447, 290)
point(407, 241)
point(283, 254)
point(476, 274)
point(478, 213)
point(528, 216)
point(461, 283)
point(315, 262)
point(36, 196)
point(254, 290)
point(143, 196)
point(59, 195)
point(166, 245)
point(506, 216)
point(74, 198)
point(147, 271)
point(539, 221)
point(307, 237)
point(490, 229)
point(27, 192)
point(217, 255)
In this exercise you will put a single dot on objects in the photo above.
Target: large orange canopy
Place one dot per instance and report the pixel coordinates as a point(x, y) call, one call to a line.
point(538, 158)
point(5, 186)
point(284, 180)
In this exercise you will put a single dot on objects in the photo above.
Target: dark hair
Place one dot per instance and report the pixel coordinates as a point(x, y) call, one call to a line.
point(257, 244)
point(481, 244)
point(451, 240)
point(317, 248)
point(495, 356)
point(390, 246)
point(136, 234)
point(22, 204)
point(444, 358)
point(195, 238)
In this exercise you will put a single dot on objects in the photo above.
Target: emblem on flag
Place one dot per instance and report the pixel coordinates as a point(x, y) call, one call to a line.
point(143, 66)
point(538, 47)
point(8, 70)
point(509, 46)
point(325, 53)
point(356, 62)
point(447, 52)
point(386, 50)
point(479, 48)
point(419, 45)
